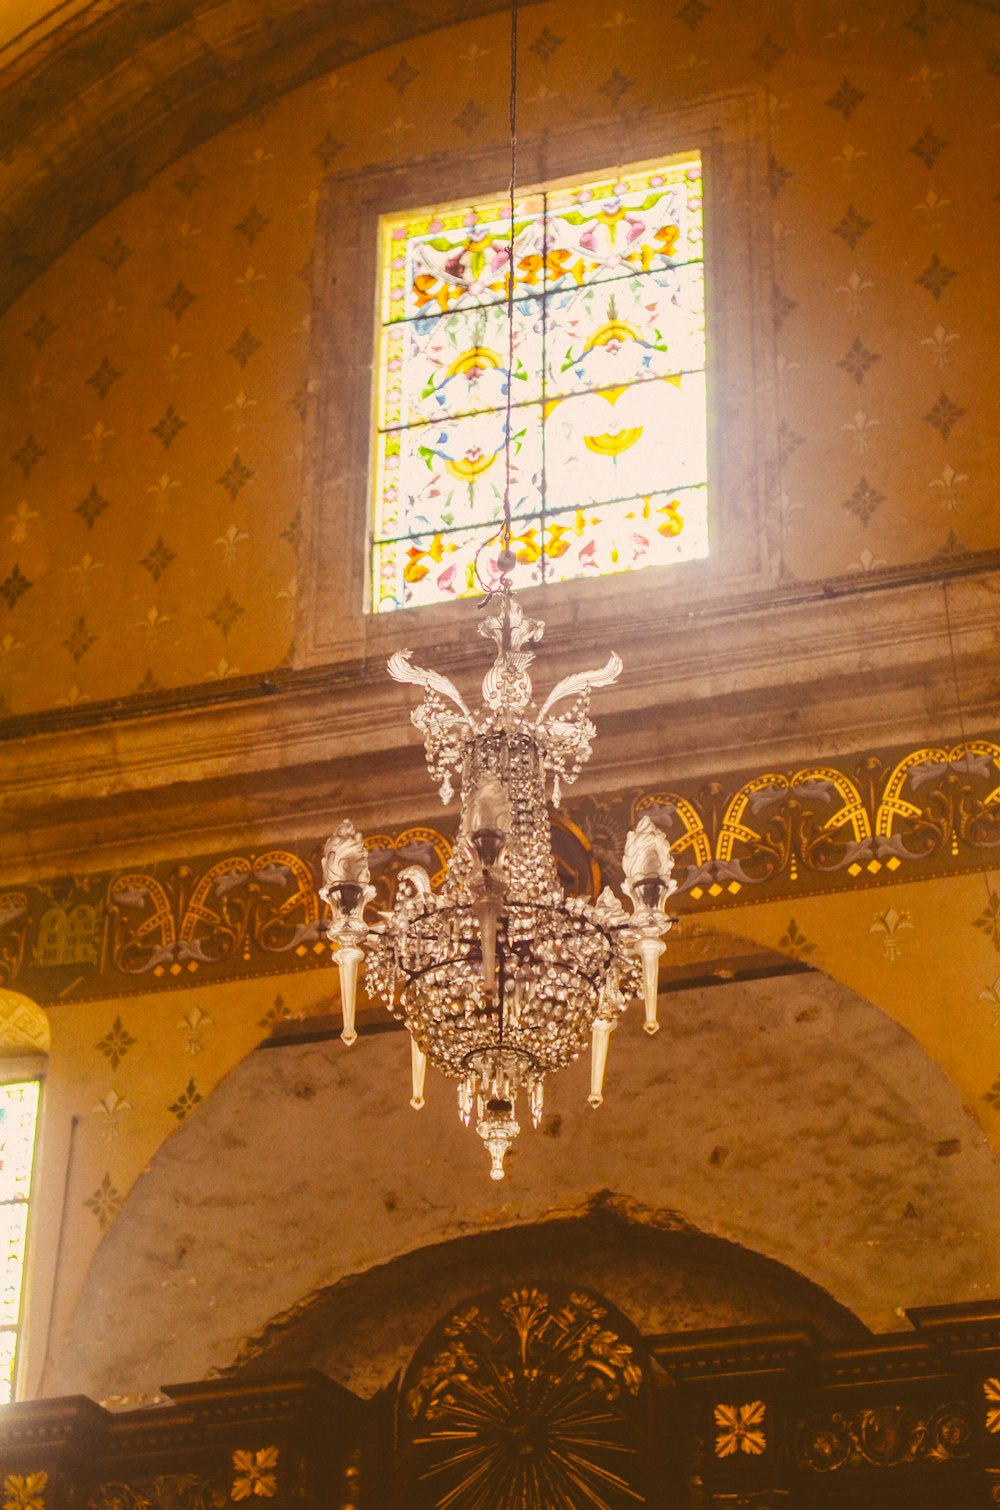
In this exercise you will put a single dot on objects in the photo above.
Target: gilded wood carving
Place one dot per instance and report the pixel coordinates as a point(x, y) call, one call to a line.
point(526, 1399)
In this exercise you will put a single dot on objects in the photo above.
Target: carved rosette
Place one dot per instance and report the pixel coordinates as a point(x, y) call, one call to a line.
point(25, 1491)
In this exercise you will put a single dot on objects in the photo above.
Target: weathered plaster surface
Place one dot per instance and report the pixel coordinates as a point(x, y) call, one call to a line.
point(787, 1116)
point(363, 1329)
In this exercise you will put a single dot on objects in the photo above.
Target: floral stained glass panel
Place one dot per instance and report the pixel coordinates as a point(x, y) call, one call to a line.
point(607, 379)
point(18, 1121)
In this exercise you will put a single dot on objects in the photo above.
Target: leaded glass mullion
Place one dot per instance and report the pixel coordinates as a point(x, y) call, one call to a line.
point(603, 226)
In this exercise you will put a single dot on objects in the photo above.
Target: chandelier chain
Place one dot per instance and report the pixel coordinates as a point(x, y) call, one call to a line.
point(507, 527)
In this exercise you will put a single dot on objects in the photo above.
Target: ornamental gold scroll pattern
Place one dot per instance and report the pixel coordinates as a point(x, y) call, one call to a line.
point(169, 1491)
point(885, 1436)
point(170, 925)
point(736, 839)
point(823, 821)
point(527, 1399)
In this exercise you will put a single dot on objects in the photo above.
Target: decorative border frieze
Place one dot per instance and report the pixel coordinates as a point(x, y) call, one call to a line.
point(823, 826)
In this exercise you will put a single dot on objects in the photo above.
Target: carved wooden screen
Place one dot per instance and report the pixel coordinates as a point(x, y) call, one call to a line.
point(527, 1399)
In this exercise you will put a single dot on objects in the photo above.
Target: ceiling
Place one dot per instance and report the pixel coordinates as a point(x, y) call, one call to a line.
point(25, 25)
point(106, 93)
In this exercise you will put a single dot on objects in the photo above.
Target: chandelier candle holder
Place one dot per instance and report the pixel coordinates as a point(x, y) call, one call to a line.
point(500, 978)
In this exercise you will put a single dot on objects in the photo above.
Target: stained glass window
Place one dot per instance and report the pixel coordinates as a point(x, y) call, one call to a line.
point(18, 1119)
point(608, 420)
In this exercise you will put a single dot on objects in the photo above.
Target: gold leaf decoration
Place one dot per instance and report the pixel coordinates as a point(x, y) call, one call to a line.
point(740, 1429)
point(25, 1491)
point(991, 1389)
point(527, 1399)
point(255, 1473)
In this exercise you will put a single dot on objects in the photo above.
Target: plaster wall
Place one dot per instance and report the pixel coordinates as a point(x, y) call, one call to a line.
point(788, 1117)
point(130, 397)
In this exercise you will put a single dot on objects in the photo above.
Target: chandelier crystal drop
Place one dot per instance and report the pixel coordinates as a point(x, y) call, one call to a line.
point(500, 978)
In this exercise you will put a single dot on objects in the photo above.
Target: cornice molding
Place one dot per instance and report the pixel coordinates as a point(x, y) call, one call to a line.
point(778, 680)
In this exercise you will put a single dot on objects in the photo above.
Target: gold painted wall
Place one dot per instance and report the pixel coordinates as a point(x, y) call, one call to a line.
point(153, 380)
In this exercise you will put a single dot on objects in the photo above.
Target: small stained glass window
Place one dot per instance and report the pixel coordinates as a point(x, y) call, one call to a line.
point(18, 1120)
point(608, 422)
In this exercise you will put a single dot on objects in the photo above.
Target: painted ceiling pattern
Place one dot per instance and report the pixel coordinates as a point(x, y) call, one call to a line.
point(889, 815)
point(156, 377)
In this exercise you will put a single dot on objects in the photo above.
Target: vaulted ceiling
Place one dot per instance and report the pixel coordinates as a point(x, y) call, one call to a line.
point(98, 95)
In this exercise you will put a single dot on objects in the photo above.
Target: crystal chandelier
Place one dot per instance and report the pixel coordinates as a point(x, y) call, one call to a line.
point(499, 977)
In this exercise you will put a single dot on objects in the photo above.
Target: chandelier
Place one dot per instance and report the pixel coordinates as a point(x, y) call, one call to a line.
point(500, 978)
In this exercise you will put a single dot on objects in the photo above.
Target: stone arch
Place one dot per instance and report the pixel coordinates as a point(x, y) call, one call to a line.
point(786, 1117)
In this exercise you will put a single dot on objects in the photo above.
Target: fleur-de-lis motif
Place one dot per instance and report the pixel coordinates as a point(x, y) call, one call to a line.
point(258, 157)
point(843, 32)
point(849, 158)
point(162, 490)
point(230, 542)
point(95, 440)
point(855, 288)
point(776, 107)
point(925, 79)
point(867, 561)
point(247, 282)
point(335, 86)
point(187, 234)
point(20, 520)
point(691, 63)
point(173, 362)
point(991, 998)
point(940, 341)
point(890, 923)
point(222, 671)
point(619, 21)
point(194, 1023)
point(949, 482)
point(933, 207)
point(35, 390)
point(112, 1108)
point(861, 430)
point(151, 626)
point(239, 410)
point(9, 647)
point(84, 571)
